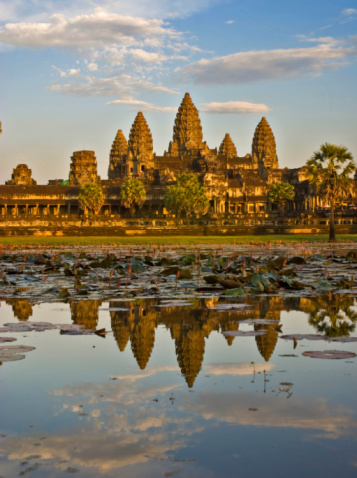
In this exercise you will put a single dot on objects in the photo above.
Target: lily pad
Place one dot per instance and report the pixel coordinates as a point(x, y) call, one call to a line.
point(249, 333)
point(329, 354)
point(3, 340)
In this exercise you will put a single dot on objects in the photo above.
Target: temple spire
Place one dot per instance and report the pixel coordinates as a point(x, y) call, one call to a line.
point(117, 154)
point(263, 146)
point(227, 147)
point(187, 137)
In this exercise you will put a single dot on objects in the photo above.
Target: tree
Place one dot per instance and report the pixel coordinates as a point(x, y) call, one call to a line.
point(333, 314)
point(329, 173)
point(281, 193)
point(132, 194)
point(187, 195)
point(91, 197)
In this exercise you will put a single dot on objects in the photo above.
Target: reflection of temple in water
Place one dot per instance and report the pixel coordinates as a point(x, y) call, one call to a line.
point(21, 308)
point(191, 326)
point(85, 312)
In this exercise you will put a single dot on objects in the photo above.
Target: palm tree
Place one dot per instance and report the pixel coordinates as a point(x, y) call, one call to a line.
point(91, 197)
point(329, 173)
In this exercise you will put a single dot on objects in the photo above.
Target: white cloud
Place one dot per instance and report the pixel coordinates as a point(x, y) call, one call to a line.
point(91, 30)
point(73, 71)
point(349, 12)
point(122, 85)
point(125, 55)
point(229, 22)
point(144, 105)
point(330, 41)
point(34, 9)
point(92, 67)
point(147, 56)
point(234, 107)
point(244, 368)
point(252, 66)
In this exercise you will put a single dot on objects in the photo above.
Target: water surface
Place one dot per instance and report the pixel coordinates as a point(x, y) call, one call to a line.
point(166, 393)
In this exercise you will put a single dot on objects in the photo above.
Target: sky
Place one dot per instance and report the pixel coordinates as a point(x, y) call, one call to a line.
point(73, 72)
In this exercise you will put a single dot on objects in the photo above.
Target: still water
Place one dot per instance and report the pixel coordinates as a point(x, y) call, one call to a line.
point(166, 393)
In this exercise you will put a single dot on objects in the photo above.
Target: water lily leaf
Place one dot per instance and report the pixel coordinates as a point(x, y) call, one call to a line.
point(136, 265)
point(9, 357)
point(185, 274)
point(303, 336)
point(271, 275)
point(285, 281)
point(229, 283)
point(189, 259)
point(14, 349)
point(249, 333)
point(258, 278)
point(299, 260)
point(321, 284)
point(329, 354)
point(170, 271)
point(234, 292)
point(3, 340)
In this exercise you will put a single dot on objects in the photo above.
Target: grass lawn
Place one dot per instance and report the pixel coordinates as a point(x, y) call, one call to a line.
point(75, 241)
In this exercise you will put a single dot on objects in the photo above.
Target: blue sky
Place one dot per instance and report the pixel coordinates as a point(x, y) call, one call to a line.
point(74, 72)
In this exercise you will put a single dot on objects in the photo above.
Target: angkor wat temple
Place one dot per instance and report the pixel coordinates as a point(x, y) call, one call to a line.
point(237, 186)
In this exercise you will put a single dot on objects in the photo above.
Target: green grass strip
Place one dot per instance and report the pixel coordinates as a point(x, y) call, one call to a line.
point(97, 240)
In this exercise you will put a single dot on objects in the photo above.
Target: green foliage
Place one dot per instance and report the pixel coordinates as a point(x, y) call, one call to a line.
point(281, 193)
point(91, 197)
point(64, 183)
point(333, 315)
point(187, 196)
point(329, 172)
point(132, 193)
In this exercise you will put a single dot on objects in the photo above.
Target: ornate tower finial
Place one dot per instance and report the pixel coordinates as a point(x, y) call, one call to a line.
point(227, 147)
point(117, 154)
point(187, 135)
point(140, 147)
point(263, 146)
point(140, 139)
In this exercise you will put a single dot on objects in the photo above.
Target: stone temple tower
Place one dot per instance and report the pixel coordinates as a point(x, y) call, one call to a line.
point(187, 138)
point(83, 168)
point(140, 148)
point(263, 146)
point(227, 147)
point(117, 155)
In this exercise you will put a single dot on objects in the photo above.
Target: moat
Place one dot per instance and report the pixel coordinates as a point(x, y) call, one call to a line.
point(162, 361)
point(165, 392)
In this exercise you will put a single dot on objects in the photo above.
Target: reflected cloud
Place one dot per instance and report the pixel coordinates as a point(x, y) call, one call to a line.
point(307, 414)
point(237, 368)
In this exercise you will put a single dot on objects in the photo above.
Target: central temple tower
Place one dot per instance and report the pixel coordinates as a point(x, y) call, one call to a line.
point(187, 138)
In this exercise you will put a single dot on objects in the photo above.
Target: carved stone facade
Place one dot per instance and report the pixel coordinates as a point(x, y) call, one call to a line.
point(227, 148)
point(118, 154)
point(83, 168)
point(263, 147)
point(187, 138)
point(21, 176)
point(237, 186)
